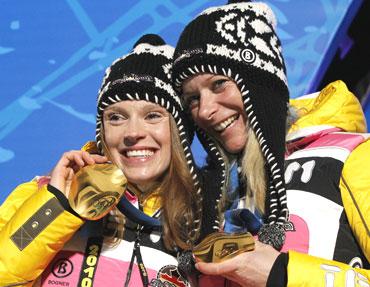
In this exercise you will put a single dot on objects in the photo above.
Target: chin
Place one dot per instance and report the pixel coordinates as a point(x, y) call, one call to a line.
point(235, 147)
point(140, 181)
point(143, 179)
point(234, 151)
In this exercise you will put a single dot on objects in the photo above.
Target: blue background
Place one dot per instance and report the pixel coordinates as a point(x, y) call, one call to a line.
point(53, 55)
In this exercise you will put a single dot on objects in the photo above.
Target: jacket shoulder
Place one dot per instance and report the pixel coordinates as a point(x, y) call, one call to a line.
point(355, 192)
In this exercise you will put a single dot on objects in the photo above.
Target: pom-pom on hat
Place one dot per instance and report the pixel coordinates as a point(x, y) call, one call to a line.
point(238, 40)
point(145, 74)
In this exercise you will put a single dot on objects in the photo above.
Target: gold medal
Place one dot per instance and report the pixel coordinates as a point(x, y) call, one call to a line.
point(96, 189)
point(220, 246)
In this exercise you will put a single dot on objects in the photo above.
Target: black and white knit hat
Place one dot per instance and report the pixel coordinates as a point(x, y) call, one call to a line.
point(238, 40)
point(145, 74)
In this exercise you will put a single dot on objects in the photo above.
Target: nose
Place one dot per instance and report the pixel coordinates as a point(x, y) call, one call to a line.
point(208, 106)
point(134, 132)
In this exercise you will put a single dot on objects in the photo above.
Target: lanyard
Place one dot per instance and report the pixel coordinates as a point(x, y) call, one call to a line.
point(90, 262)
point(137, 254)
point(136, 215)
point(143, 221)
point(238, 218)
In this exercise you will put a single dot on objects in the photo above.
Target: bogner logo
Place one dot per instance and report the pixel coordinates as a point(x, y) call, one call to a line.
point(62, 268)
point(248, 55)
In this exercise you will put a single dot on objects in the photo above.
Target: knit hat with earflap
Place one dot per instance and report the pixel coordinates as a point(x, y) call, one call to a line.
point(238, 40)
point(145, 74)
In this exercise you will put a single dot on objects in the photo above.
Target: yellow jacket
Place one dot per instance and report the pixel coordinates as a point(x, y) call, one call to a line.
point(34, 226)
point(336, 107)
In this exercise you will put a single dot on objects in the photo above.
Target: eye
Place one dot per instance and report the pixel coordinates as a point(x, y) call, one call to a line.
point(219, 85)
point(191, 101)
point(154, 116)
point(114, 118)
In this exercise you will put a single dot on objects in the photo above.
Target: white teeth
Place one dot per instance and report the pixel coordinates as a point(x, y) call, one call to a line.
point(225, 124)
point(139, 153)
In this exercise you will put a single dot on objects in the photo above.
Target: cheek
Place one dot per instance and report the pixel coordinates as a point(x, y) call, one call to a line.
point(166, 158)
point(194, 114)
point(111, 137)
point(163, 136)
point(237, 102)
point(197, 120)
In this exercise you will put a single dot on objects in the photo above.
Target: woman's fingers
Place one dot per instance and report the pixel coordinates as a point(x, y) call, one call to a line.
point(79, 159)
point(209, 268)
point(92, 158)
point(99, 158)
point(87, 158)
point(68, 182)
point(250, 268)
point(217, 268)
point(70, 163)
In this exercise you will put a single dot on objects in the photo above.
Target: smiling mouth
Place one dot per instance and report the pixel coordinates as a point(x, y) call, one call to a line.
point(226, 123)
point(138, 153)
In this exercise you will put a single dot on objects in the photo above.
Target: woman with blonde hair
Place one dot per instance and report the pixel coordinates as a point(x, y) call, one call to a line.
point(230, 72)
point(47, 239)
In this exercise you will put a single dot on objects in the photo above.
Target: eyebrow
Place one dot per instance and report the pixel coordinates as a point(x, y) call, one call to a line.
point(112, 108)
point(187, 96)
point(154, 107)
point(207, 79)
point(148, 107)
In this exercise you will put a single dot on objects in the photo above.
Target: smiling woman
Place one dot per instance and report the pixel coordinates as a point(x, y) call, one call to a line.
point(137, 135)
point(222, 111)
point(230, 70)
point(141, 130)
